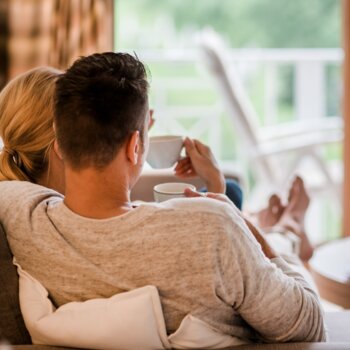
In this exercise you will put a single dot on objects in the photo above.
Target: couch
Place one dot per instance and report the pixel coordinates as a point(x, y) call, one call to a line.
point(13, 330)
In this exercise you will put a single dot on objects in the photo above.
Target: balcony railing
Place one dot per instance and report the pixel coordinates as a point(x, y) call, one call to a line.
point(186, 101)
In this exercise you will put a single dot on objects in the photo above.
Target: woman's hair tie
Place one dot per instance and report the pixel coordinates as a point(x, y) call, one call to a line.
point(14, 155)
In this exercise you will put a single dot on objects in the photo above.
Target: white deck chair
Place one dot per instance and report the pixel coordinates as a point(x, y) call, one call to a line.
point(300, 139)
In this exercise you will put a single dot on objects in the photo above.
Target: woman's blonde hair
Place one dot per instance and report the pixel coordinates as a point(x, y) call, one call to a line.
point(26, 124)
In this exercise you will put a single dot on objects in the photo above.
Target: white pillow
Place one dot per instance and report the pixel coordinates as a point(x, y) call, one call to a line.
point(193, 333)
point(129, 320)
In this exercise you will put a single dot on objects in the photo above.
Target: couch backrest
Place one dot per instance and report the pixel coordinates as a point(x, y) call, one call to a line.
point(12, 326)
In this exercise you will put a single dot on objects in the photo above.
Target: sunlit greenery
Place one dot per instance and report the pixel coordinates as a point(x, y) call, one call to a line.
point(244, 23)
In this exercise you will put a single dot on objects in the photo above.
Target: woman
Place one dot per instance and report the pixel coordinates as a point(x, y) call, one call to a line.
point(26, 129)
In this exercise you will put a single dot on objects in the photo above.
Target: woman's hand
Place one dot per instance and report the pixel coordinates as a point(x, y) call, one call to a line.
point(201, 162)
point(217, 196)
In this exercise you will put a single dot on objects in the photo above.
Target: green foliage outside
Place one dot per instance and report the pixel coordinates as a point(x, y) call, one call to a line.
point(244, 23)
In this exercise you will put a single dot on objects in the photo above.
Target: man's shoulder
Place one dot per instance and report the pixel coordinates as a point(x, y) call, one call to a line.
point(204, 220)
point(200, 205)
point(211, 213)
point(205, 211)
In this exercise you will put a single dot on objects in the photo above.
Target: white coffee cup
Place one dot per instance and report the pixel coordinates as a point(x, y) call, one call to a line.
point(164, 151)
point(169, 190)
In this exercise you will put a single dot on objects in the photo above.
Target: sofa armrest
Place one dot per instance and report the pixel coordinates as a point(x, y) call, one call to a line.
point(294, 346)
point(143, 189)
point(338, 326)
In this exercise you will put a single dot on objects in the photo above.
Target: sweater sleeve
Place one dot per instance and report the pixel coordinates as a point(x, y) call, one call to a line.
point(272, 298)
point(20, 198)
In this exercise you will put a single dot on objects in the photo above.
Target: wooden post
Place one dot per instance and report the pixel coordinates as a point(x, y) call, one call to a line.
point(346, 114)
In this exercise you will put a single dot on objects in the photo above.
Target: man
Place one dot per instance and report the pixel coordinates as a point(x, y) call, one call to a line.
point(198, 252)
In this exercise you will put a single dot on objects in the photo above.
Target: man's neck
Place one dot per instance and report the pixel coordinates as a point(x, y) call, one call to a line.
point(97, 194)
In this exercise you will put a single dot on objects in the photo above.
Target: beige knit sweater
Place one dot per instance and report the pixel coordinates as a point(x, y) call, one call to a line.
point(198, 252)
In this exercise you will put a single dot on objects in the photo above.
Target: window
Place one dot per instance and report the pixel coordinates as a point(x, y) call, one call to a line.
point(287, 53)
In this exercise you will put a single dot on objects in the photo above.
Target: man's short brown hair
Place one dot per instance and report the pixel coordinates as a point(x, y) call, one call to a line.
point(99, 102)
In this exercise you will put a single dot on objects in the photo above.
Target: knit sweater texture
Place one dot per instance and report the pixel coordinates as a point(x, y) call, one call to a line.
point(198, 252)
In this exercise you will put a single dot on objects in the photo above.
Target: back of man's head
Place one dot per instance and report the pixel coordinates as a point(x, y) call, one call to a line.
point(100, 101)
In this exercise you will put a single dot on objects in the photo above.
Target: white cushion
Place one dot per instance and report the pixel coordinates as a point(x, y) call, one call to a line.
point(193, 333)
point(129, 320)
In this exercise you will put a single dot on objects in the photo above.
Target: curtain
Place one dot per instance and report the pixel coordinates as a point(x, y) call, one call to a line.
point(346, 114)
point(53, 32)
point(79, 27)
point(28, 39)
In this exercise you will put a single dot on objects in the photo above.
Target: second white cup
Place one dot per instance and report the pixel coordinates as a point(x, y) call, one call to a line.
point(169, 190)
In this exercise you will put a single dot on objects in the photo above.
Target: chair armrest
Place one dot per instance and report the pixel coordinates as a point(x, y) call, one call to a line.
point(338, 332)
point(301, 127)
point(298, 142)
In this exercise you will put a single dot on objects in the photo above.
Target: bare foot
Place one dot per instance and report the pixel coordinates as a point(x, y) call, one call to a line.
point(293, 216)
point(270, 215)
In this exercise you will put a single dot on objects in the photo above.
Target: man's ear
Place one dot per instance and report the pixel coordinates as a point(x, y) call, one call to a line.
point(57, 150)
point(133, 148)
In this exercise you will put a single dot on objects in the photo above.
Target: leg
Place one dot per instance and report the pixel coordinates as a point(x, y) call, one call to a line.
point(234, 192)
point(269, 216)
point(293, 217)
